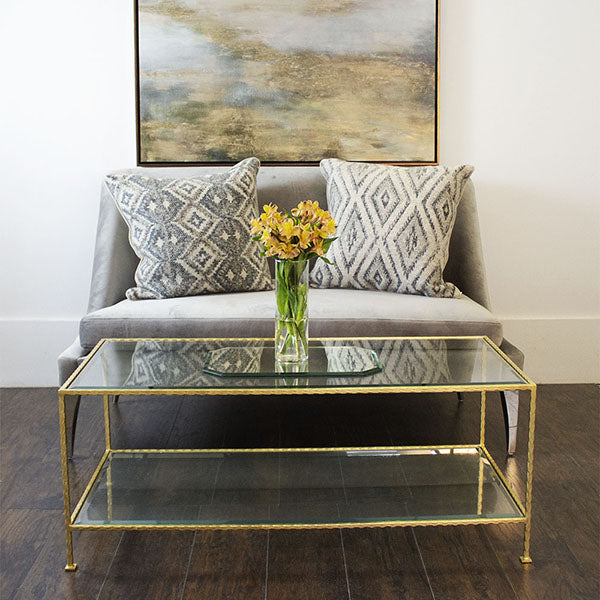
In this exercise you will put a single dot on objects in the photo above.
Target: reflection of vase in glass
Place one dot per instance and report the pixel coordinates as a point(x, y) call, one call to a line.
point(291, 322)
point(292, 373)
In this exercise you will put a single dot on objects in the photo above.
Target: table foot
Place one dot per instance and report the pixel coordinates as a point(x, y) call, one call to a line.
point(526, 560)
point(70, 567)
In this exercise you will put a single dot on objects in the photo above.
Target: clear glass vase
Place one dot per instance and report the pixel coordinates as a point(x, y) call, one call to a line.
point(291, 319)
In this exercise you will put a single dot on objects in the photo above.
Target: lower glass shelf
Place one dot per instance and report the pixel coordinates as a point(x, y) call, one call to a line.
point(296, 488)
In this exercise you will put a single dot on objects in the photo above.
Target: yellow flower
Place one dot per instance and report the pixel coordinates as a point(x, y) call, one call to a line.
point(257, 227)
point(266, 238)
point(306, 211)
point(318, 247)
point(305, 237)
point(269, 209)
point(288, 251)
point(328, 226)
point(298, 234)
point(289, 229)
point(272, 246)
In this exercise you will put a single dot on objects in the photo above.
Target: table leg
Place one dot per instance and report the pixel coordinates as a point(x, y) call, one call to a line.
point(482, 422)
point(108, 447)
point(107, 421)
point(526, 558)
point(71, 565)
point(480, 487)
point(109, 491)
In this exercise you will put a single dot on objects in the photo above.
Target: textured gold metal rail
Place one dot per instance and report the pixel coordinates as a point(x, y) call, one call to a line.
point(327, 449)
point(275, 526)
point(294, 391)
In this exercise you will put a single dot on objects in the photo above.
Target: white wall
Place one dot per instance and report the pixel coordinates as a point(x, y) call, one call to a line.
point(520, 90)
point(519, 100)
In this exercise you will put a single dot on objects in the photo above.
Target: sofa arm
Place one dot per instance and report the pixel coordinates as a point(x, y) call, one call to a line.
point(69, 360)
point(513, 353)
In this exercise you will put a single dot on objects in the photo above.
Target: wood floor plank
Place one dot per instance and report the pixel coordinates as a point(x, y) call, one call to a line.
point(149, 564)
point(461, 564)
point(47, 579)
point(423, 419)
point(358, 421)
point(143, 421)
point(23, 533)
point(566, 558)
point(570, 415)
point(555, 573)
point(33, 483)
point(89, 433)
point(227, 565)
point(252, 422)
point(384, 564)
point(201, 423)
point(25, 415)
point(304, 565)
point(306, 421)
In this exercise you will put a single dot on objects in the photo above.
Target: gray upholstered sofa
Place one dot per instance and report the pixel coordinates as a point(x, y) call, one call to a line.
point(333, 312)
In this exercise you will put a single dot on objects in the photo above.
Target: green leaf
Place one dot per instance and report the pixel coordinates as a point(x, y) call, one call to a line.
point(282, 298)
point(327, 242)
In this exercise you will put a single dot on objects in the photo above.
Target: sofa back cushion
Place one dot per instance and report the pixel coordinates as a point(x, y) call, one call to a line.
point(192, 235)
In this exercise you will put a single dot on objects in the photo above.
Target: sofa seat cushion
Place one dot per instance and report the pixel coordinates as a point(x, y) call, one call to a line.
point(332, 313)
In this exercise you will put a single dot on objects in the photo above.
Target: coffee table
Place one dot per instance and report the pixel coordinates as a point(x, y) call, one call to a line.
point(295, 488)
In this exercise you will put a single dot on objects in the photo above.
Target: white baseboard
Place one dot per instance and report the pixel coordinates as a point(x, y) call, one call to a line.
point(556, 350)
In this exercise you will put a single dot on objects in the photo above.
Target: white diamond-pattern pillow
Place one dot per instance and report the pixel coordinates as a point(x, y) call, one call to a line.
point(192, 235)
point(394, 226)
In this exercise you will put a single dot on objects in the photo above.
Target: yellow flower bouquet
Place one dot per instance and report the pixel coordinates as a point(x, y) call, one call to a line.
point(293, 238)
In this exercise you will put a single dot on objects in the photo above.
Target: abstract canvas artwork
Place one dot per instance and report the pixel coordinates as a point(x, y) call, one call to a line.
point(288, 81)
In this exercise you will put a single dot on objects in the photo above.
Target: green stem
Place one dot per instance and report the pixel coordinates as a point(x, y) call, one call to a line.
point(291, 305)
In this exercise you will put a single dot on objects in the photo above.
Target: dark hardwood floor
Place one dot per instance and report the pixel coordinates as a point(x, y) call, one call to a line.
point(361, 564)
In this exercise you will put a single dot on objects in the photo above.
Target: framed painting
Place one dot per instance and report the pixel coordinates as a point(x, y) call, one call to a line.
point(288, 81)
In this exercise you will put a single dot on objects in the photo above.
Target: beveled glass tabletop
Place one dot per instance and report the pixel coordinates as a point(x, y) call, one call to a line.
point(238, 365)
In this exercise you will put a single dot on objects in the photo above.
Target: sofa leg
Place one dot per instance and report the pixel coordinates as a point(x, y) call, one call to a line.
point(115, 398)
point(510, 408)
point(72, 409)
point(460, 398)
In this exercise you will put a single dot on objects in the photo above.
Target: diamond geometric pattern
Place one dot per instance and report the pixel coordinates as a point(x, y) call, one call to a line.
point(394, 227)
point(192, 235)
point(423, 361)
point(180, 364)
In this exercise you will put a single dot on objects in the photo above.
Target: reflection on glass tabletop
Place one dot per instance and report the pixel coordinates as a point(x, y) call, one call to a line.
point(149, 364)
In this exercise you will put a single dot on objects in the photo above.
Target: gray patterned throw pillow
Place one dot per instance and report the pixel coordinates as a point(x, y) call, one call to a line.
point(394, 226)
point(192, 235)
